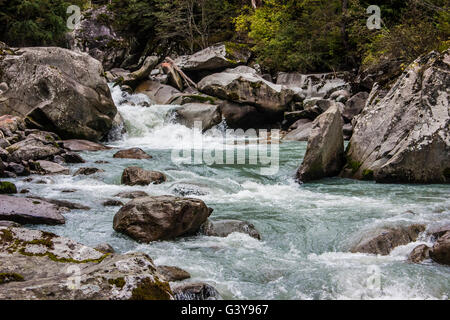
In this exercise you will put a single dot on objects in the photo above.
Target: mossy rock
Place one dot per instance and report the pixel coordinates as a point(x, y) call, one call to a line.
point(151, 289)
point(10, 277)
point(7, 187)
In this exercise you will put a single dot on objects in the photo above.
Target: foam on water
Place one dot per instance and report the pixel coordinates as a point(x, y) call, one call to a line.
point(306, 229)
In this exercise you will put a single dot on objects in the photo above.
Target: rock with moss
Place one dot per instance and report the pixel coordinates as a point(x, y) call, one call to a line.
point(404, 136)
point(325, 152)
point(57, 268)
point(149, 219)
point(7, 187)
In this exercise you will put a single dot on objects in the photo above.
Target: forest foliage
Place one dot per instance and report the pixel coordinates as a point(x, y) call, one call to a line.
point(284, 35)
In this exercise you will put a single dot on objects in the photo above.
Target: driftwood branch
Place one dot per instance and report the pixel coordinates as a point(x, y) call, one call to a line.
point(182, 74)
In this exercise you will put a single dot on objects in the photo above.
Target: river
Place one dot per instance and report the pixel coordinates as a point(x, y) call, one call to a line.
point(306, 229)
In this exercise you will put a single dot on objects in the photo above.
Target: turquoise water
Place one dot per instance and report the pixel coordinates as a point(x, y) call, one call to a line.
point(306, 229)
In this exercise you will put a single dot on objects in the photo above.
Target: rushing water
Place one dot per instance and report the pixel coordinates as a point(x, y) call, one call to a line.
point(306, 229)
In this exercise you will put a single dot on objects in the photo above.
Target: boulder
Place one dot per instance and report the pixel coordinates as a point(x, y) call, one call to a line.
point(241, 116)
point(7, 187)
point(157, 92)
point(441, 249)
point(133, 176)
point(419, 254)
point(132, 79)
point(96, 36)
point(48, 267)
point(161, 218)
point(404, 137)
point(173, 76)
point(29, 211)
point(50, 168)
point(171, 274)
point(58, 90)
point(83, 145)
point(217, 57)
point(62, 204)
point(243, 85)
point(132, 194)
point(301, 132)
point(209, 115)
point(87, 171)
point(325, 152)
point(383, 241)
point(104, 248)
point(355, 105)
point(224, 228)
point(10, 124)
point(133, 153)
point(195, 291)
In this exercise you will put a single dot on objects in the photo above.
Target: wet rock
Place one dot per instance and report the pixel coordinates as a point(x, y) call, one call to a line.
point(112, 203)
point(24, 191)
point(50, 168)
point(195, 291)
point(132, 79)
point(325, 152)
point(87, 171)
point(7, 187)
point(403, 137)
point(340, 96)
point(240, 116)
point(133, 153)
point(209, 115)
point(133, 176)
point(34, 147)
point(105, 248)
point(243, 85)
point(161, 218)
point(171, 274)
point(355, 105)
point(441, 249)
point(18, 169)
point(437, 231)
point(383, 241)
point(132, 194)
point(188, 190)
point(75, 104)
point(314, 85)
point(63, 204)
point(49, 265)
point(83, 145)
point(69, 190)
point(224, 228)
point(419, 254)
point(29, 211)
point(157, 92)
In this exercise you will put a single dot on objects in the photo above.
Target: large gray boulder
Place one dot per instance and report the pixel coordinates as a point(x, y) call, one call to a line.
point(42, 266)
point(243, 85)
point(96, 36)
point(57, 90)
point(30, 211)
point(355, 105)
point(224, 228)
point(405, 136)
point(149, 219)
point(219, 56)
point(36, 146)
point(325, 152)
point(209, 115)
